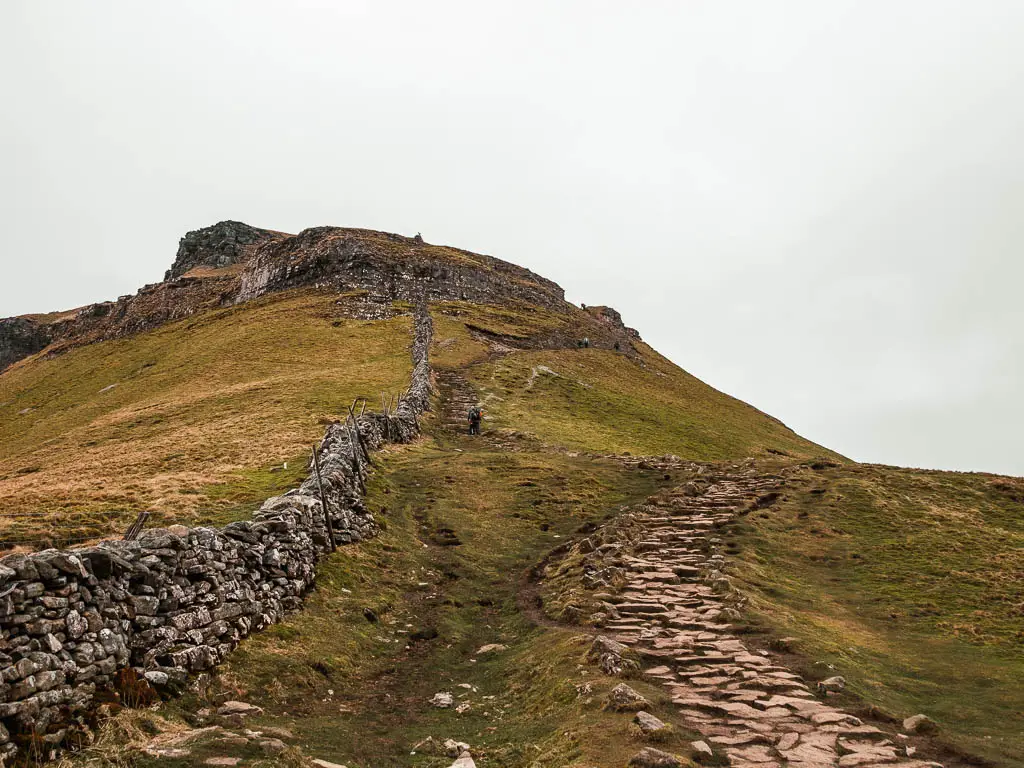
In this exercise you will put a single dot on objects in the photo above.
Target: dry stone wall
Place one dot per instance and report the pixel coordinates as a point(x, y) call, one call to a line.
point(177, 600)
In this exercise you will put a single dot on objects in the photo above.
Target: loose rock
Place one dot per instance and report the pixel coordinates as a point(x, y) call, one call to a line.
point(625, 699)
point(654, 758)
point(920, 724)
point(443, 700)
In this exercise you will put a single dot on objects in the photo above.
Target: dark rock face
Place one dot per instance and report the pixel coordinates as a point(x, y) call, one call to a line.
point(20, 337)
point(612, 318)
point(392, 266)
point(223, 244)
point(385, 267)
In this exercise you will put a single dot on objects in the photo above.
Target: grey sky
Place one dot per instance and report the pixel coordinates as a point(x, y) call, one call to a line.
point(814, 206)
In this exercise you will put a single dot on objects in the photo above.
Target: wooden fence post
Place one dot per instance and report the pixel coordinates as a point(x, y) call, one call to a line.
point(323, 499)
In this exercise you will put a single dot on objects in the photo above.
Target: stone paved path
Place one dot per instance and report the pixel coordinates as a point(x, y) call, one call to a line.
point(674, 612)
point(457, 397)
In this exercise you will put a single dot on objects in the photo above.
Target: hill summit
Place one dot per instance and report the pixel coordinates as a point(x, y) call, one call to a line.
point(231, 262)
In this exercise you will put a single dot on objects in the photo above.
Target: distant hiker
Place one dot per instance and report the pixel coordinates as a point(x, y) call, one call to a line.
point(418, 238)
point(583, 306)
point(579, 343)
point(586, 343)
point(616, 346)
point(476, 415)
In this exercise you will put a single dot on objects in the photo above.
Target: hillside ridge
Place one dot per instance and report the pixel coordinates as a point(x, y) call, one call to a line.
point(231, 262)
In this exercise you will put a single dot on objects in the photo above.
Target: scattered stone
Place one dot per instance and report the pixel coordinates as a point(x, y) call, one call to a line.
point(651, 726)
point(464, 761)
point(242, 708)
point(463, 707)
point(920, 724)
point(326, 764)
point(443, 700)
point(277, 733)
point(453, 748)
point(654, 758)
point(832, 685)
point(613, 657)
point(701, 751)
point(491, 648)
point(272, 746)
point(223, 761)
point(625, 699)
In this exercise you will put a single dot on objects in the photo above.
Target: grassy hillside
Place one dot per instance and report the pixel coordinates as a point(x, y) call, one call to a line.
point(911, 585)
point(908, 583)
point(197, 417)
point(599, 399)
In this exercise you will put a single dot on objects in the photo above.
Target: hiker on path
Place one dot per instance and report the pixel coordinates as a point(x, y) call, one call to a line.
point(476, 415)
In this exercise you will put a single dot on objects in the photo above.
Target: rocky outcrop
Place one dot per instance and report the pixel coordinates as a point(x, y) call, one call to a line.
point(394, 266)
point(149, 612)
point(386, 267)
point(19, 338)
point(223, 244)
point(613, 319)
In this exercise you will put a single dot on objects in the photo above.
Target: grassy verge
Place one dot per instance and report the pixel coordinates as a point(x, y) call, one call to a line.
point(198, 416)
point(909, 584)
point(600, 400)
point(402, 617)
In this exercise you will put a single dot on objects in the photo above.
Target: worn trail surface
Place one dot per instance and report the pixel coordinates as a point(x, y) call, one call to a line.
point(674, 612)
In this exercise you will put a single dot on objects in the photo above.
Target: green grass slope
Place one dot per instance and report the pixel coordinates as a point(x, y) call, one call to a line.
point(598, 399)
point(910, 584)
point(191, 420)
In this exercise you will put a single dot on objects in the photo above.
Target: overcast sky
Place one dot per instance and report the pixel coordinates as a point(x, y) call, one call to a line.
point(815, 206)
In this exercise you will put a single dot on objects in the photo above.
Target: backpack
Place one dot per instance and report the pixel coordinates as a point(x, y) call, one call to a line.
point(474, 414)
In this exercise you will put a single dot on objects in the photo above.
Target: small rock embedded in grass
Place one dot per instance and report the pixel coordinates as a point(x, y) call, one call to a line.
point(272, 746)
point(490, 648)
point(701, 751)
point(326, 764)
point(654, 758)
point(225, 761)
point(920, 724)
point(832, 685)
point(625, 699)
point(453, 748)
point(443, 700)
point(650, 726)
point(229, 708)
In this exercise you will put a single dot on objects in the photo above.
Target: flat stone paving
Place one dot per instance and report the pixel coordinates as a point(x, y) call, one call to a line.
point(674, 613)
